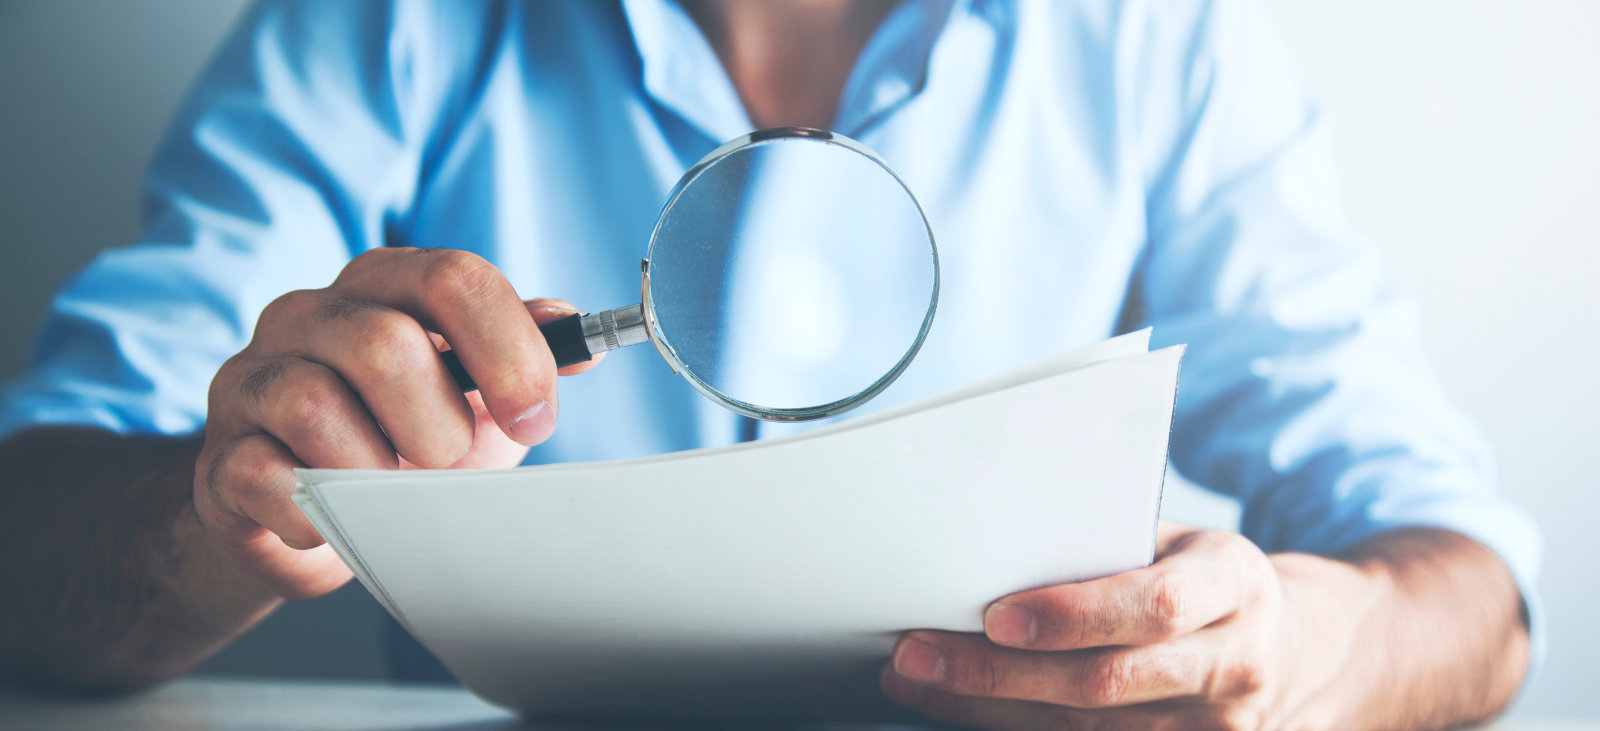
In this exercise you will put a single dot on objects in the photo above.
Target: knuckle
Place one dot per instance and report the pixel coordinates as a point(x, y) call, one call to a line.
point(983, 676)
point(364, 262)
point(463, 276)
point(1235, 544)
point(335, 308)
point(288, 308)
point(256, 382)
point(213, 460)
point(390, 346)
point(255, 466)
point(383, 329)
point(393, 366)
point(1249, 677)
point(1169, 605)
point(222, 383)
point(315, 402)
point(246, 471)
point(1265, 573)
point(1107, 679)
point(1259, 585)
point(1070, 622)
point(1239, 677)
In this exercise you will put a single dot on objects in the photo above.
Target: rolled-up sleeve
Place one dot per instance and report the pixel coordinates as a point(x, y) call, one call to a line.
point(1306, 393)
point(296, 148)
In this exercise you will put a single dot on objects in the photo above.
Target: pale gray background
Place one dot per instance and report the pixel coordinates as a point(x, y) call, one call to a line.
point(1470, 144)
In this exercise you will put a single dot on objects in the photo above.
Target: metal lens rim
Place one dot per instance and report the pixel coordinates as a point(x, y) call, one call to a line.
point(664, 344)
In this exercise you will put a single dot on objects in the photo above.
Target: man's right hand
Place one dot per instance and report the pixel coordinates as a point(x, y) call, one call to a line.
point(350, 377)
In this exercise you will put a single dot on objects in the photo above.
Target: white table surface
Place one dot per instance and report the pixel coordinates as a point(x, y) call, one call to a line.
point(223, 703)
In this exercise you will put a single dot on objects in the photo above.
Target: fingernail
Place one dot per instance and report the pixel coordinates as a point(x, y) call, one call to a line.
point(901, 690)
point(534, 425)
point(1010, 625)
point(919, 662)
point(559, 311)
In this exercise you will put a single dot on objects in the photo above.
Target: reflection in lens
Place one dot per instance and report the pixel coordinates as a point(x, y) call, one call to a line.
point(792, 273)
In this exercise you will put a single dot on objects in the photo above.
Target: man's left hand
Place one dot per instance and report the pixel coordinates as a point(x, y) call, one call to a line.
point(1205, 637)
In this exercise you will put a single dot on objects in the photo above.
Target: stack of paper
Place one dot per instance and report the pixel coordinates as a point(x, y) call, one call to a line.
point(770, 578)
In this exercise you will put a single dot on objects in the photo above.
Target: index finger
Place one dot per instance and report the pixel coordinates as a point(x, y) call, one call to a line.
point(1202, 578)
point(467, 300)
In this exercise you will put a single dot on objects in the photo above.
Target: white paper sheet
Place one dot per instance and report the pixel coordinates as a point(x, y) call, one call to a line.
point(765, 579)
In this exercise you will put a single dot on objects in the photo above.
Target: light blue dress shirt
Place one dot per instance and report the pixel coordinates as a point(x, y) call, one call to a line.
point(1088, 167)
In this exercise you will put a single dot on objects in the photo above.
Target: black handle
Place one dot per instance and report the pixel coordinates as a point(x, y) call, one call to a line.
point(564, 336)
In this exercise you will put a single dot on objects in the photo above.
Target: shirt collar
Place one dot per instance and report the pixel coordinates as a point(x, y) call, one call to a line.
point(893, 66)
point(682, 73)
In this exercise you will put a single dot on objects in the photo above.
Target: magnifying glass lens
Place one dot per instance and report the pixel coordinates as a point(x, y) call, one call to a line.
point(792, 276)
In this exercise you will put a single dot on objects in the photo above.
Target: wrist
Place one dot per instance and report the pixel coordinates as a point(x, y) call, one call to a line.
point(1416, 628)
point(1449, 641)
point(116, 576)
point(1328, 671)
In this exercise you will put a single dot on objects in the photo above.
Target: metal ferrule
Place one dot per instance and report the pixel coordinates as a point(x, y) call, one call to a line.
point(614, 329)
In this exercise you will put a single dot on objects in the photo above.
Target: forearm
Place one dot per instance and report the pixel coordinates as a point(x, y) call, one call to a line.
point(1436, 638)
point(110, 582)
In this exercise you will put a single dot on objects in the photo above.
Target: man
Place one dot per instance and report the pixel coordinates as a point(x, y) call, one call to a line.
point(1089, 167)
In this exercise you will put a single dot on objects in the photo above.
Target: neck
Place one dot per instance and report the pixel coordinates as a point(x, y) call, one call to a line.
point(788, 59)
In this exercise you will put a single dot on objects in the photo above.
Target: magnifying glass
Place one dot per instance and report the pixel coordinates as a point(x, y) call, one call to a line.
point(791, 276)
